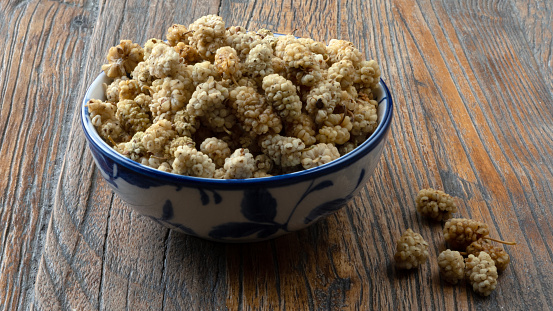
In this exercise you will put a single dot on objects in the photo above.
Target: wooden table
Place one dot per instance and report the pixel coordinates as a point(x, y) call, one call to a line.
point(473, 92)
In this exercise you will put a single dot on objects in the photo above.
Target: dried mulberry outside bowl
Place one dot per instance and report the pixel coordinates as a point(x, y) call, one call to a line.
point(238, 210)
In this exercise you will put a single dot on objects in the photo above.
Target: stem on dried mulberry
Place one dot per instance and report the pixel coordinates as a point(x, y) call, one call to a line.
point(500, 241)
point(112, 141)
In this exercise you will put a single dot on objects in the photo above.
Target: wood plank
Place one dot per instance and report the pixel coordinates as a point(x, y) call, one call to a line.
point(536, 20)
point(43, 46)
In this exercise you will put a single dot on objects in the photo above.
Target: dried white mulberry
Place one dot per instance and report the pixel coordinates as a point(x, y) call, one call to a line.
point(481, 273)
point(112, 90)
point(201, 72)
point(336, 129)
point(284, 151)
point(149, 46)
point(163, 61)
point(241, 40)
point(365, 116)
point(188, 54)
point(318, 155)
point(134, 149)
point(239, 165)
point(435, 204)
point(122, 59)
point(157, 135)
point(411, 250)
point(452, 266)
point(141, 73)
point(170, 95)
point(259, 62)
point(282, 43)
point(209, 103)
point(253, 112)
point(178, 34)
point(498, 254)
point(342, 72)
point(171, 148)
point(129, 89)
point(303, 128)
point(322, 99)
point(461, 232)
point(102, 115)
point(182, 125)
point(191, 162)
point(132, 116)
point(263, 163)
point(208, 35)
point(339, 50)
point(282, 95)
point(227, 63)
point(217, 149)
point(367, 75)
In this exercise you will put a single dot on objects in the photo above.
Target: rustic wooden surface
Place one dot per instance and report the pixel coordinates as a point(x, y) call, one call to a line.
point(472, 85)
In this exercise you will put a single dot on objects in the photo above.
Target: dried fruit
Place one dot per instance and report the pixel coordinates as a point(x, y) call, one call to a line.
point(208, 103)
point(365, 116)
point(178, 34)
point(303, 128)
point(322, 99)
point(342, 72)
point(461, 232)
point(239, 165)
point(282, 95)
point(481, 273)
point(112, 90)
point(157, 135)
point(411, 250)
point(253, 112)
point(224, 98)
point(498, 254)
point(284, 151)
point(435, 204)
point(339, 50)
point(132, 116)
point(123, 58)
point(102, 115)
point(208, 35)
point(189, 161)
point(318, 155)
point(368, 74)
point(216, 149)
point(452, 266)
point(188, 54)
point(163, 61)
point(259, 62)
point(170, 148)
point(170, 96)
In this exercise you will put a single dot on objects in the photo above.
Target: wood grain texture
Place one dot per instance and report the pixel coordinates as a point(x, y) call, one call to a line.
point(472, 88)
point(43, 46)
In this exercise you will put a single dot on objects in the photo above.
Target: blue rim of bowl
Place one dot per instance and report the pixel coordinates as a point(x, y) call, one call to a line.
point(291, 178)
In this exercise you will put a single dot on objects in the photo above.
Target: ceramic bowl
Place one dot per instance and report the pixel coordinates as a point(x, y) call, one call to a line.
point(238, 210)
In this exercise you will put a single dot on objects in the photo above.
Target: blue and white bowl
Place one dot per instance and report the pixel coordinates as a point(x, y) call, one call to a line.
point(238, 210)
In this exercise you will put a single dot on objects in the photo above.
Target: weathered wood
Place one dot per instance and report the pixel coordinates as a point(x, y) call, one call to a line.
point(471, 82)
point(44, 45)
point(536, 19)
